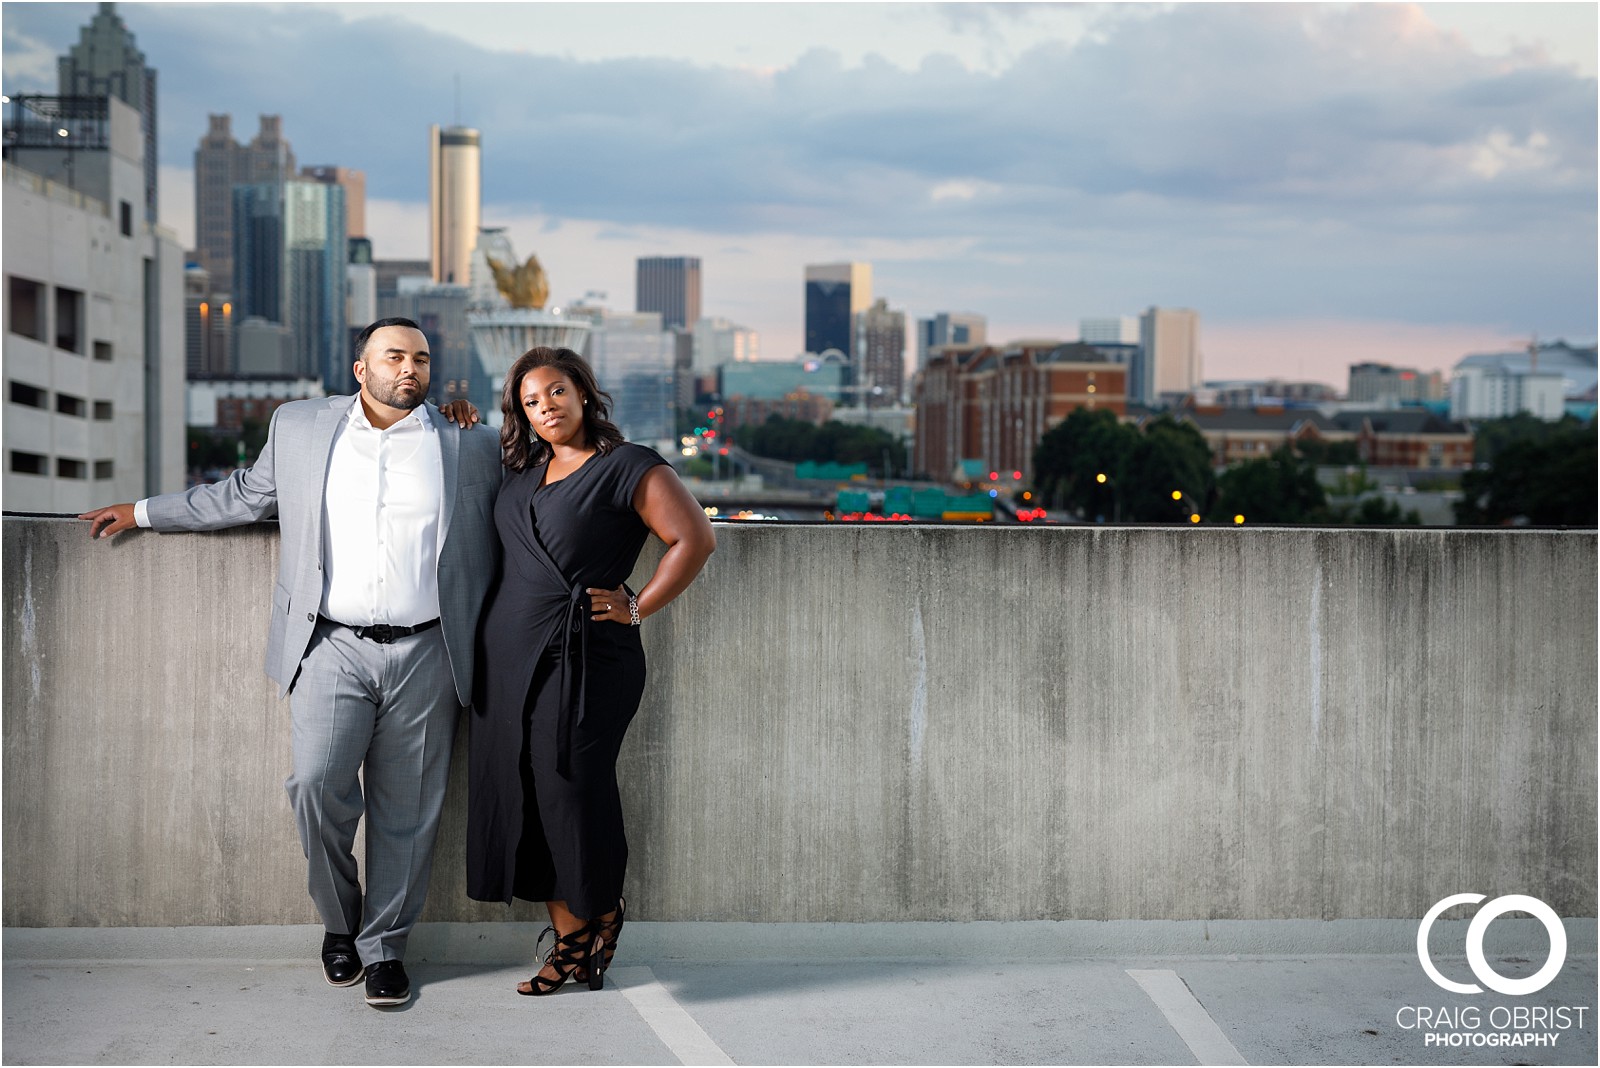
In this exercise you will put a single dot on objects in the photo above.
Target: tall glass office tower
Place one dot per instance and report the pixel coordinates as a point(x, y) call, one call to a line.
point(106, 61)
point(289, 268)
point(669, 285)
point(314, 281)
point(835, 292)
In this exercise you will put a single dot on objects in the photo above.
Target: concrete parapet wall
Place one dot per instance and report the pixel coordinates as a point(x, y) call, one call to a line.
point(881, 723)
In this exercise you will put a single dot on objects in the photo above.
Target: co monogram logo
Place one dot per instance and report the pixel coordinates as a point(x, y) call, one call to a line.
point(1475, 931)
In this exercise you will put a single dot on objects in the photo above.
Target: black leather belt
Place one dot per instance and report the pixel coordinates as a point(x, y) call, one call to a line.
point(383, 633)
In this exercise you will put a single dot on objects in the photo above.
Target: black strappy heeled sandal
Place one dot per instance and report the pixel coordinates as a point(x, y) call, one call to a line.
point(580, 951)
point(610, 931)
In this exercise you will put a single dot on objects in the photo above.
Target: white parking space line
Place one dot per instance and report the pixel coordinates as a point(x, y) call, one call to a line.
point(672, 1024)
point(1187, 1016)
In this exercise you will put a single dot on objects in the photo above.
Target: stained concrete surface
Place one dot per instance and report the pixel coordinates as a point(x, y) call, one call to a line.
point(928, 723)
point(273, 1008)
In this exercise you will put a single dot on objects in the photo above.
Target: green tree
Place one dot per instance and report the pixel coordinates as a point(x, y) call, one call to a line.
point(1491, 436)
point(1281, 488)
point(1374, 512)
point(1142, 467)
point(207, 451)
point(1170, 456)
point(1074, 451)
point(795, 440)
point(1354, 499)
point(1325, 453)
point(847, 443)
point(210, 450)
point(1547, 479)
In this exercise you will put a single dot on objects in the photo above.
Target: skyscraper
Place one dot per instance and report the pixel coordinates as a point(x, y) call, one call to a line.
point(716, 341)
point(949, 328)
point(633, 357)
point(441, 312)
point(669, 285)
point(880, 355)
point(455, 191)
point(835, 292)
point(105, 62)
point(354, 184)
point(257, 252)
point(289, 268)
point(1169, 354)
point(220, 163)
point(315, 251)
point(207, 326)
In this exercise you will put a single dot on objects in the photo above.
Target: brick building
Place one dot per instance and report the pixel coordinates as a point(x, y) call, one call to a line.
point(1406, 437)
point(753, 411)
point(995, 403)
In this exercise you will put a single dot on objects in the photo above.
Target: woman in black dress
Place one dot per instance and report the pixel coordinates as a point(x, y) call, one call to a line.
point(563, 665)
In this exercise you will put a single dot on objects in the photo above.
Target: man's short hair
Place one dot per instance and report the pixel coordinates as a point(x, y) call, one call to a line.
point(366, 335)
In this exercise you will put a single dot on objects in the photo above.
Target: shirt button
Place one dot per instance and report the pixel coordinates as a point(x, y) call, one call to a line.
point(311, 617)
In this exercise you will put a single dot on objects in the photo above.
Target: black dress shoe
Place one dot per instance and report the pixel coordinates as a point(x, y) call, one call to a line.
point(341, 966)
point(387, 983)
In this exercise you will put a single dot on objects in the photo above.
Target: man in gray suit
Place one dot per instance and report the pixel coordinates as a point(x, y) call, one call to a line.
point(385, 513)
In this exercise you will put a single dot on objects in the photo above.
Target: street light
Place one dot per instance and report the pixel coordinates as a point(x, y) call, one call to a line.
point(1182, 498)
point(1116, 498)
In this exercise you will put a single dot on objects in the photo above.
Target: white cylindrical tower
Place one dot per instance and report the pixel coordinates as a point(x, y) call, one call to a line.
point(455, 192)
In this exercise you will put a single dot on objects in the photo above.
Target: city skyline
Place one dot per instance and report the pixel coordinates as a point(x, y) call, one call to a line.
point(1326, 185)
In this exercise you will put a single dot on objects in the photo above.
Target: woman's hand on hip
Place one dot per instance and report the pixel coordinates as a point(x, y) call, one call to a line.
point(610, 605)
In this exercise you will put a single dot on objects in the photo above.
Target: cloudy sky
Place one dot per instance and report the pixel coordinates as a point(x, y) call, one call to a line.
point(1324, 183)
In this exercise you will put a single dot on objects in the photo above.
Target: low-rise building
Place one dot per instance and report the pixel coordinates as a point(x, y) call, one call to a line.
point(1264, 393)
point(1380, 385)
point(223, 404)
point(994, 404)
point(1405, 437)
point(1408, 437)
point(753, 411)
point(1540, 380)
point(1235, 435)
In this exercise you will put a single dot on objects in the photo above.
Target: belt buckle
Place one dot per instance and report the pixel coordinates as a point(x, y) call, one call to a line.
point(382, 633)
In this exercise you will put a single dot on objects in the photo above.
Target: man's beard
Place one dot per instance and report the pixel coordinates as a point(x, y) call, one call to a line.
point(389, 393)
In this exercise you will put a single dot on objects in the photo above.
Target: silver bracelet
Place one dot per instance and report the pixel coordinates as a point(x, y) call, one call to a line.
point(633, 609)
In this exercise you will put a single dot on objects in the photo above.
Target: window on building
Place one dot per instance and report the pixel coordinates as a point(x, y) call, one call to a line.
point(125, 217)
point(31, 396)
point(76, 407)
point(104, 469)
point(25, 302)
point(102, 351)
point(29, 463)
point(66, 468)
point(69, 319)
point(102, 410)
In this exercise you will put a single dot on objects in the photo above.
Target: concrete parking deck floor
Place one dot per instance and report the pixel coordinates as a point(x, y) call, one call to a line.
point(256, 996)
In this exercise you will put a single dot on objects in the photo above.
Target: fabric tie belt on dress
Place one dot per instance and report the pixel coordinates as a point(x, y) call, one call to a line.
point(383, 633)
point(573, 691)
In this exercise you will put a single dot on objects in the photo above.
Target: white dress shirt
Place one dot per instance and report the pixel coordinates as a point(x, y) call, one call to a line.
point(380, 521)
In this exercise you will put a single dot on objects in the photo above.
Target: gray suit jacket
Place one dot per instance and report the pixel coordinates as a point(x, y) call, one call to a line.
point(288, 480)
